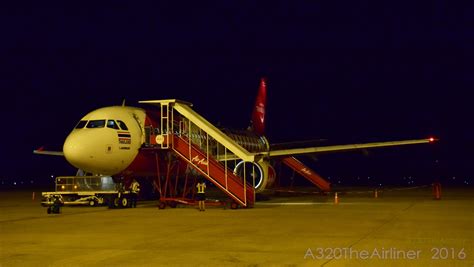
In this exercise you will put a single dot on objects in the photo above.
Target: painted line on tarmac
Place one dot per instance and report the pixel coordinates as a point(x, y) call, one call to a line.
point(49, 216)
point(308, 203)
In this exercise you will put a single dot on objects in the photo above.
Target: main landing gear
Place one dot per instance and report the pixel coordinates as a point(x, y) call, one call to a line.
point(119, 201)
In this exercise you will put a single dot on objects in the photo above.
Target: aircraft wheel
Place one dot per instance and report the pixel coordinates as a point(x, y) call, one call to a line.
point(124, 202)
point(116, 202)
point(55, 209)
point(48, 210)
point(161, 205)
point(173, 204)
point(92, 203)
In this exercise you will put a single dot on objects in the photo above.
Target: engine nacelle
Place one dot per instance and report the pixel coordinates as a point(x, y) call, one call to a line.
point(261, 174)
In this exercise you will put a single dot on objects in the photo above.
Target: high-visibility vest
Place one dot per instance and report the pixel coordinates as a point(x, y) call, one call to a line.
point(201, 187)
point(134, 187)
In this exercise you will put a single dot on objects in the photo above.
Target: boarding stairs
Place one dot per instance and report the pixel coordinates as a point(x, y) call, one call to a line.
point(307, 173)
point(205, 148)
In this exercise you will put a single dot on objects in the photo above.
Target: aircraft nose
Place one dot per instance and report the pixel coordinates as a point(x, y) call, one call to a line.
point(77, 151)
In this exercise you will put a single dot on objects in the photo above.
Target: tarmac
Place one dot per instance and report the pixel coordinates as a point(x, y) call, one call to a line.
point(404, 227)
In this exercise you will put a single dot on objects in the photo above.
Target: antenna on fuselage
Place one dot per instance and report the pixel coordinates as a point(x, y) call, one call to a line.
point(123, 102)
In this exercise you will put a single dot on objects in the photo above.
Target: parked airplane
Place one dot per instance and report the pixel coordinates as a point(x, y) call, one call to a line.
point(124, 141)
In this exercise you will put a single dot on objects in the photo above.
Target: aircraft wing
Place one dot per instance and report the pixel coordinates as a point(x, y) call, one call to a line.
point(41, 151)
point(338, 148)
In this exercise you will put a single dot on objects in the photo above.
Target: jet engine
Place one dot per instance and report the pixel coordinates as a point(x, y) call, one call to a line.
point(260, 174)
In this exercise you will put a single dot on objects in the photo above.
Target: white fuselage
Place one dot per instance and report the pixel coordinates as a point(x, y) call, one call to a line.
point(107, 140)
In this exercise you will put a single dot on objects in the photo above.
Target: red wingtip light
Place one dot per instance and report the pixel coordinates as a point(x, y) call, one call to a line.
point(431, 139)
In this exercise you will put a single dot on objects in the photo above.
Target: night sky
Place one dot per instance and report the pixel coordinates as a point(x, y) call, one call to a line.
point(343, 71)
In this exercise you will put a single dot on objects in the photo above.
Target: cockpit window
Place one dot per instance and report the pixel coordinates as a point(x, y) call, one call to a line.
point(81, 124)
point(122, 124)
point(96, 124)
point(112, 124)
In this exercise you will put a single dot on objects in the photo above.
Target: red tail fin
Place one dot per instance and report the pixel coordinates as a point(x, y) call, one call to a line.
point(258, 114)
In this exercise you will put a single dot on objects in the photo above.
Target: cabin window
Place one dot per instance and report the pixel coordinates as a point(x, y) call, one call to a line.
point(96, 124)
point(122, 125)
point(81, 124)
point(112, 124)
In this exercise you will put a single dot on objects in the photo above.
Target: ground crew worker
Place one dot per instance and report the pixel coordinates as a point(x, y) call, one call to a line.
point(56, 206)
point(201, 195)
point(134, 189)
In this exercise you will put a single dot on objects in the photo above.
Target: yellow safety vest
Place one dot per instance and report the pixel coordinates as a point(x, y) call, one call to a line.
point(134, 187)
point(201, 187)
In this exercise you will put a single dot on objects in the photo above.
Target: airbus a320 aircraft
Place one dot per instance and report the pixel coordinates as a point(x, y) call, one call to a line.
point(169, 139)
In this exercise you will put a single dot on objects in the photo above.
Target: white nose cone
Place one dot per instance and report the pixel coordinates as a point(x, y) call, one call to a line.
point(78, 152)
point(92, 151)
point(102, 149)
